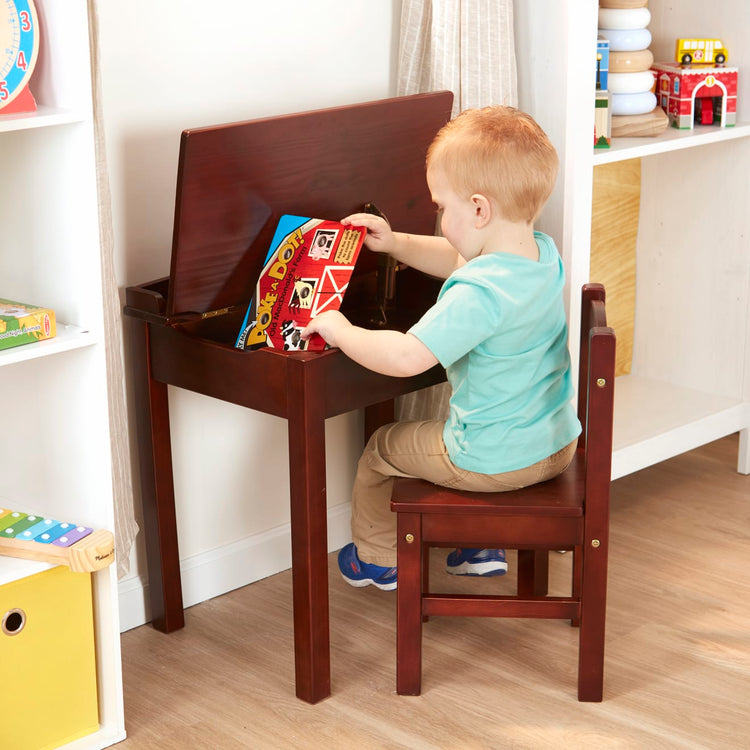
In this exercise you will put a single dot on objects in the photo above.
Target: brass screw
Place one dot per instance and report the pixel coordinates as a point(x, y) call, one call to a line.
point(409, 538)
point(601, 382)
point(595, 542)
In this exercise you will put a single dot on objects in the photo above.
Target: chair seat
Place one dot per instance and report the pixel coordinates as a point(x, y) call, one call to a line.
point(558, 497)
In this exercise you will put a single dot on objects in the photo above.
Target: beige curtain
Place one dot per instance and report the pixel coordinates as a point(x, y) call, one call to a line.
point(125, 525)
point(467, 47)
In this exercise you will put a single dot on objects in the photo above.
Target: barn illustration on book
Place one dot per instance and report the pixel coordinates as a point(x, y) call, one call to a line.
point(306, 272)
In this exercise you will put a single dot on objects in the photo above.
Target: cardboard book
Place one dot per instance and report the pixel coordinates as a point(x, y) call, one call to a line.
point(306, 272)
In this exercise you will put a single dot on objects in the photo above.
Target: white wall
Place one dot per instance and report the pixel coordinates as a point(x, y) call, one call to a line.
point(175, 64)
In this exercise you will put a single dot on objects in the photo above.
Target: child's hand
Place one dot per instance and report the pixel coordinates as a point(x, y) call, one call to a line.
point(380, 238)
point(328, 324)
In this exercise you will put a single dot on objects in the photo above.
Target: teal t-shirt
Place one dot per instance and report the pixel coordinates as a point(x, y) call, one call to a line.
point(499, 329)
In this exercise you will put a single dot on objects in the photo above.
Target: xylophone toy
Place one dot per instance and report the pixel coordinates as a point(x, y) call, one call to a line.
point(33, 537)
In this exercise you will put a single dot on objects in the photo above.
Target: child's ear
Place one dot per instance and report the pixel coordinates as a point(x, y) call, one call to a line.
point(482, 210)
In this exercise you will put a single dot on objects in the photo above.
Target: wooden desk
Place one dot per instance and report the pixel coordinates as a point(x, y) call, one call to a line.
point(234, 181)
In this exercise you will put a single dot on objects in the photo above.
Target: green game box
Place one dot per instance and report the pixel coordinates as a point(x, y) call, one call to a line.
point(23, 324)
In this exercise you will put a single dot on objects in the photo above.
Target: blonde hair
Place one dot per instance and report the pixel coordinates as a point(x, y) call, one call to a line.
point(499, 152)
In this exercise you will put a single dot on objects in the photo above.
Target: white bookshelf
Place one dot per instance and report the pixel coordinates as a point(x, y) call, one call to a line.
point(690, 376)
point(56, 458)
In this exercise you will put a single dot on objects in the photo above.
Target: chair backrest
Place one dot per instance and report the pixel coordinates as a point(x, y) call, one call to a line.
point(596, 386)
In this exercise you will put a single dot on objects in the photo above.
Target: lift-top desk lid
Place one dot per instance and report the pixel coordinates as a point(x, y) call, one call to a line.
point(234, 181)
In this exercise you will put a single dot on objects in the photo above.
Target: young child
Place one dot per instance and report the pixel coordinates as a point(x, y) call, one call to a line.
point(498, 327)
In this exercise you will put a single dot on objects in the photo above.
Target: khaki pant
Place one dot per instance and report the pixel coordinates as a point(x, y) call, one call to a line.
point(416, 449)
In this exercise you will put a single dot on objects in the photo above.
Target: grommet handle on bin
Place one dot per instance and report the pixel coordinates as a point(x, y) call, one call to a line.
point(14, 621)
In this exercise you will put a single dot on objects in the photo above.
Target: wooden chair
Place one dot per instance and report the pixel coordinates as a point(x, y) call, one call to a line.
point(570, 512)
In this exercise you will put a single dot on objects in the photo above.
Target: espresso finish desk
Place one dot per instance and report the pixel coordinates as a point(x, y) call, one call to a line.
point(234, 182)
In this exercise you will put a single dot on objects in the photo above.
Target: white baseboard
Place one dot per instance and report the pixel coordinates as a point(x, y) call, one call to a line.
point(229, 567)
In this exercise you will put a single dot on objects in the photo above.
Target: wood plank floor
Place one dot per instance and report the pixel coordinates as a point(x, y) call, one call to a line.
point(677, 670)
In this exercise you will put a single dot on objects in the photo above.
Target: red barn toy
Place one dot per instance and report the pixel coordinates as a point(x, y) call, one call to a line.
point(703, 94)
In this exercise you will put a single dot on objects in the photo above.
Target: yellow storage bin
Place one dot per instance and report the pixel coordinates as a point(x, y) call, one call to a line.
point(48, 687)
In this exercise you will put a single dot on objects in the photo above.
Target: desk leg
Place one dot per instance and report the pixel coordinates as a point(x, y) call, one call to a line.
point(377, 415)
point(307, 472)
point(157, 489)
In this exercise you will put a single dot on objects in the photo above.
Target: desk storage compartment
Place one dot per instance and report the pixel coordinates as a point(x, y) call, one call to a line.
point(48, 689)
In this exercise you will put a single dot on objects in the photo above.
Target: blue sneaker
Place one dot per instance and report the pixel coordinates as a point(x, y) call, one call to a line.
point(477, 562)
point(358, 573)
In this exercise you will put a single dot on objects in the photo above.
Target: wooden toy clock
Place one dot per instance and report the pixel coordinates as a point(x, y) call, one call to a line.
point(19, 48)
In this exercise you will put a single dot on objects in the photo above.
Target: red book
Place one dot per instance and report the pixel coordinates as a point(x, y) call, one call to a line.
point(307, 271)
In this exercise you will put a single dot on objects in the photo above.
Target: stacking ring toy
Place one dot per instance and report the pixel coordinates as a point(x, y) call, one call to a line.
point(617, 18)
point(626, 40)
point(633, 104)
point(630, 62)
point(623, 3)
point(630, 83)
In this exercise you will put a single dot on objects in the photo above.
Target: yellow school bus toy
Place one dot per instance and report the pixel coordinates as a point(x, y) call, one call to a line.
point(703, 51)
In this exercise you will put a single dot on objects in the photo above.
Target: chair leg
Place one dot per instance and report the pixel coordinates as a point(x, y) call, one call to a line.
point(425, 573)
point(576, 582)
point(409, 604)
point(533, 572)
point(593, 614)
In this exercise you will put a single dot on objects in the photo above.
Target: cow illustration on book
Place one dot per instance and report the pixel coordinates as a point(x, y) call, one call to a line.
point(291, 333)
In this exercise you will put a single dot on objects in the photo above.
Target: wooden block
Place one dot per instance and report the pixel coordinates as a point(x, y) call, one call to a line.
point(614, 231)
point(629, 126)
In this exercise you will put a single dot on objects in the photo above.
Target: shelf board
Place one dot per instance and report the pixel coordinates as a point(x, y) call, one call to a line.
point(43, 117)
point(655, 420)
point(68, 337)
point(671, 139)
